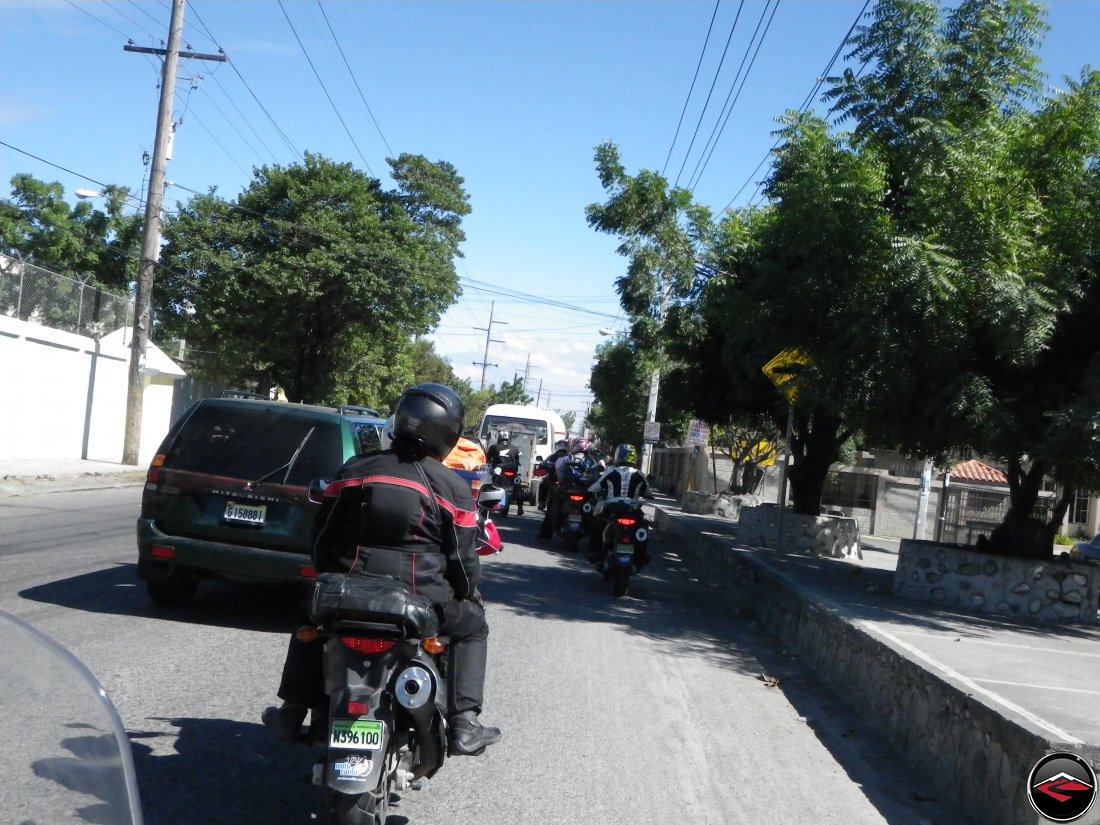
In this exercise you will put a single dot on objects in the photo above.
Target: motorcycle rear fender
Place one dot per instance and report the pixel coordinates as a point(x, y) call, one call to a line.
point(352, 677)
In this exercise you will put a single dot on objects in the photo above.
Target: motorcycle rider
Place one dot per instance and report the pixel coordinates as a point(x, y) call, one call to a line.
point(573, 465)
point(622, 480)
point(504, 455)
point(561, 448)
point(397, 514)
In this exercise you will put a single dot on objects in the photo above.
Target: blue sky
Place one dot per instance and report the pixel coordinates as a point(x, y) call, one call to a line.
point(515, 94)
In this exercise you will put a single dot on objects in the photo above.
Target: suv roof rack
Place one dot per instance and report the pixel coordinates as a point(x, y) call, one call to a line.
point(348, 408)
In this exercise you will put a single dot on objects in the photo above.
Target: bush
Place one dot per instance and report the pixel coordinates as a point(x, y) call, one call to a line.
point(1060, 539)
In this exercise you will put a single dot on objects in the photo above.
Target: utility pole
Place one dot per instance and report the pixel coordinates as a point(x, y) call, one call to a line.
point(488, 332)
point(150, 238)
point(538, 397)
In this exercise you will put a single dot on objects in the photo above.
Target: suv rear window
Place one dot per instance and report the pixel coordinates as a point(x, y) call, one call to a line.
point(257, 444)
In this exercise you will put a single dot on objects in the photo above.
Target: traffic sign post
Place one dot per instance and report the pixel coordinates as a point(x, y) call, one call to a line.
point(782, 371)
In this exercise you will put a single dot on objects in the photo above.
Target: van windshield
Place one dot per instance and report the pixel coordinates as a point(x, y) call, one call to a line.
point(494, 423)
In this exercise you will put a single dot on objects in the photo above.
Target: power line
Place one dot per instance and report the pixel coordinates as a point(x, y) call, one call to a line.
point(727, 107)
point(317, 74)
point(353, 80)
point(703, 51)
point(710, 92)
point(806, 103)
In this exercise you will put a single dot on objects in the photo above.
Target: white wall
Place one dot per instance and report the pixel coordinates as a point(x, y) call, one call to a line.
point(44, 382)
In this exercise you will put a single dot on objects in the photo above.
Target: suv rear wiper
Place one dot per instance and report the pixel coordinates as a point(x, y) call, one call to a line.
point(286, 466)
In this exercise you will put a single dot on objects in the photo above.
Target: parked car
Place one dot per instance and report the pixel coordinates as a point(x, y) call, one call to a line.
point(226, 493)
point(1087, 551)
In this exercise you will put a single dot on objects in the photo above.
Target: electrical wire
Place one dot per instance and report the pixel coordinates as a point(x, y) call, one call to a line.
point(100, 20)
point(353, 79)
point(727, 108)
point(710, 92)
point(703, 51)
point(809, 98)
point(232, 64)
point(324, 88)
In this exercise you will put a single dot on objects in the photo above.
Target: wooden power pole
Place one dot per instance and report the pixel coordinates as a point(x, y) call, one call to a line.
point(150, 238)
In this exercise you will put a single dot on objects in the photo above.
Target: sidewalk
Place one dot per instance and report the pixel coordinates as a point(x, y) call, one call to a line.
point(28, 476)
point(973, 700)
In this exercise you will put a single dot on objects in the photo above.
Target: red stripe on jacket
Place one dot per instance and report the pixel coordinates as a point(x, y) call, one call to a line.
point(461, 518)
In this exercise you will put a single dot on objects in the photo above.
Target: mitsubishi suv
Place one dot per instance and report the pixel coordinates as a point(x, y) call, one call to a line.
point(226, 495)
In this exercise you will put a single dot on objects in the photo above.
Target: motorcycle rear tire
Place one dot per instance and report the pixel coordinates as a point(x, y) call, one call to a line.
point(620, 578)
point(570, 539)
point(359, 809)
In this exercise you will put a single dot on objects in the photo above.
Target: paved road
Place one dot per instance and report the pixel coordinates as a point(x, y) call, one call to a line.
point(651, 709)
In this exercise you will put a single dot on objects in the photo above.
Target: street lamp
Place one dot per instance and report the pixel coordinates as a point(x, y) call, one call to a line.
point(84, 194)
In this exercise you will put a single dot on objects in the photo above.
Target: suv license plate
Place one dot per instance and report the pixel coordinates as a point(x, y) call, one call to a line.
point(245, 513)
point(361, 734)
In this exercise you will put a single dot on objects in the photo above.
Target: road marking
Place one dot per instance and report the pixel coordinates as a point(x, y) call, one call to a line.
point(1003, 644)
point(1038, 687)
point(973, 686)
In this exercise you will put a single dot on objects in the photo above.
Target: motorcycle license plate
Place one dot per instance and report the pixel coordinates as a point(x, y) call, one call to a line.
point(245, 513)
point(624, 554)
point(360, 734)
point(575, 518)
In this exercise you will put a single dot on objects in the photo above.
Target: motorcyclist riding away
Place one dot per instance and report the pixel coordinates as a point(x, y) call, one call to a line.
point(506, 456)
point(619, 482)
point(570, 466)
point(400, 513)
point(561, 448)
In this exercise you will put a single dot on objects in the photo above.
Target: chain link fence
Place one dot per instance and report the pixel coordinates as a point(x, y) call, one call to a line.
point(31, 293)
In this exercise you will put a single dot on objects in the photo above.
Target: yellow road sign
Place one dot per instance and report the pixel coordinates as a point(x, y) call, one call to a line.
point(783, 371)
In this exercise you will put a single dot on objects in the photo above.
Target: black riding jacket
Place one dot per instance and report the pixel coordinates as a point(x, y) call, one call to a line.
point(507, 456)
point(379, 519)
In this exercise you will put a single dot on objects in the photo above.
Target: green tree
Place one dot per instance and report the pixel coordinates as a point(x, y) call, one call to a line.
point(315, 278)
point(991, 193)
point(97, 247)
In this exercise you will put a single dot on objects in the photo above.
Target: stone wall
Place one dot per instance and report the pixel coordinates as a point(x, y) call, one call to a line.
point(835, 536)
point(952, 576)
point(972, 753)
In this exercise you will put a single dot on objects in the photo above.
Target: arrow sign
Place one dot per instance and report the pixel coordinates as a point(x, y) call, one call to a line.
point(783, 371)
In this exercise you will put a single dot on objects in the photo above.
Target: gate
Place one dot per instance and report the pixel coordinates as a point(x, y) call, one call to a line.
point(972, 510)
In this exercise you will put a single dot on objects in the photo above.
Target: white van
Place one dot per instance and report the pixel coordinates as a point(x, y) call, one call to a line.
point(541, 427)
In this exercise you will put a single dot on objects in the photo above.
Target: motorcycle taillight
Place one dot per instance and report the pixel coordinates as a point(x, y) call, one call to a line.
point(576, 498)
point(367, 646)
point(625, 522)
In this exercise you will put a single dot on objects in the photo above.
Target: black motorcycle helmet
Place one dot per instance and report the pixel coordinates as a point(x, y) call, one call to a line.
point(430, 416)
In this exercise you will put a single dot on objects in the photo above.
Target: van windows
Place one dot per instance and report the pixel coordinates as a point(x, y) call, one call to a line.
point(494, 423)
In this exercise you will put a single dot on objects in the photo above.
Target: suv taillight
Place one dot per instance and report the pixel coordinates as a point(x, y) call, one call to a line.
point(153, 476)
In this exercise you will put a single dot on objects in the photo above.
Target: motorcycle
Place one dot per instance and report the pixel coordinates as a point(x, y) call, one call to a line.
point(625, 547)
point(577, 506)
point(509, 479)
point(385, 670)
point(64, 741)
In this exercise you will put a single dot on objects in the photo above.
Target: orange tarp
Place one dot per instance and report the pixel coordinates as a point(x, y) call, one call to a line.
point(466, 455)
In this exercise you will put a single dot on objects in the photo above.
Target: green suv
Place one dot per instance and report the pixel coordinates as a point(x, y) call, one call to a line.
point(226, 495)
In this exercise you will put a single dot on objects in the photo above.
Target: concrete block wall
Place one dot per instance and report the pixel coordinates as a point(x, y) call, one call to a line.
point(52, 401)
point(969, 751)
point(834, 536)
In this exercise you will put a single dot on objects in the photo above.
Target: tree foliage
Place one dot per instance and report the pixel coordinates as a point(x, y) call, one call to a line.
point(315, 278)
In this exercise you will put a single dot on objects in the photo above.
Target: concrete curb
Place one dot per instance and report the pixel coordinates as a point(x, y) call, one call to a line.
point(969, 751)
point(11, 486)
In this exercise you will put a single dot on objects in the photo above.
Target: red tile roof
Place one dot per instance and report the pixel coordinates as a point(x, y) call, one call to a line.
point(976, 471)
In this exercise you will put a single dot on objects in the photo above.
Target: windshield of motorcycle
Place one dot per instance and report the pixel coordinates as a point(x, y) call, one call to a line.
point(65, 753)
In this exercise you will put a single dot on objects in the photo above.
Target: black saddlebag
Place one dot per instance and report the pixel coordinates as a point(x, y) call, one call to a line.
point(342, 602)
